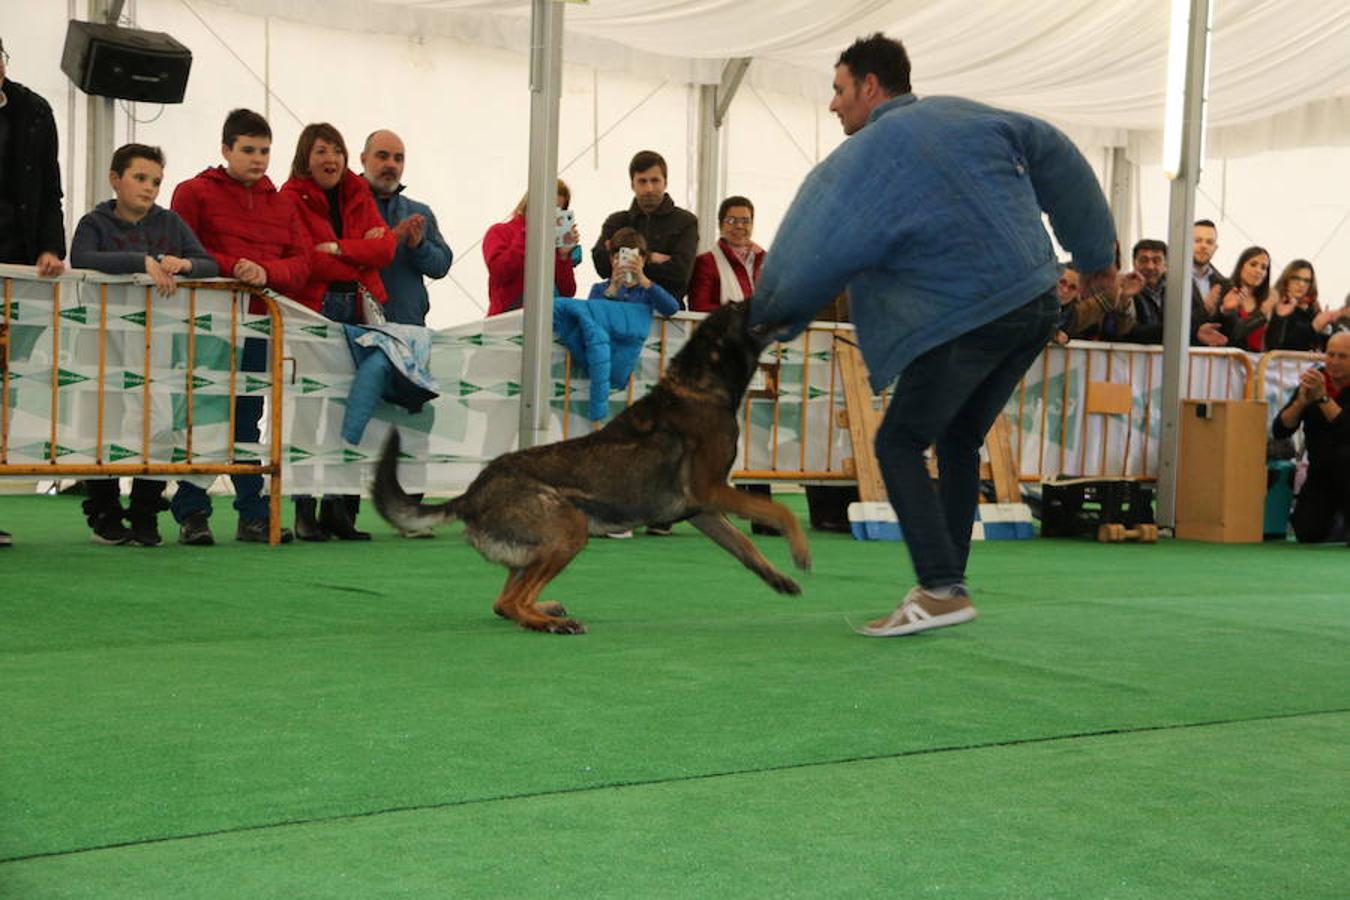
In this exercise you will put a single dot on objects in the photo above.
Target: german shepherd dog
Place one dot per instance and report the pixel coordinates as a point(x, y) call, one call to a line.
point(666, 458)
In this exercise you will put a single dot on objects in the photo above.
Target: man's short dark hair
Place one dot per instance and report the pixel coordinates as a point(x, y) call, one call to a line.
point(123, 156)
point(244, 123)
point(880, 56)
point(734, 201)
point(644, 160)
point(1148, 244)
point(1205, 222)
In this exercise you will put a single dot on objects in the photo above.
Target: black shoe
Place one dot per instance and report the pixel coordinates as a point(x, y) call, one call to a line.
point(6, 539)
point(145, 529)
point(195, 531)
point(307, 527)
point(337, 521)
point(254, 531)
point(106, 523)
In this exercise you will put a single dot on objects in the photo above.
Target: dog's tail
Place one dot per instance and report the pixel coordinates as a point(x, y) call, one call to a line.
point(398, 508)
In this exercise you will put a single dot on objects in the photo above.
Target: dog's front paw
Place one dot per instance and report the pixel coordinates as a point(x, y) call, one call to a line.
point(781, 583)
point(551, 608)
point(802, 560)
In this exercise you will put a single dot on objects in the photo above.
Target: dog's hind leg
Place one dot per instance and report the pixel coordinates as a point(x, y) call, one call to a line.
point(519, 597)
point(730, 538)
point(725, 499)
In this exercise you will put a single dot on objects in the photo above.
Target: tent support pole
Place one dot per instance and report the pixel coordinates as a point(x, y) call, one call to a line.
point(713, 102)
point(546, 24)
point(1181, 214)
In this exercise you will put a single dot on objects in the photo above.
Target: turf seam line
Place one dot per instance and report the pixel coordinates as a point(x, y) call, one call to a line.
point(706, 776)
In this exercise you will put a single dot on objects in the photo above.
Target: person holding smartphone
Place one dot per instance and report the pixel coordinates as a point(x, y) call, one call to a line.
point(504, 253)
point(1318, 407)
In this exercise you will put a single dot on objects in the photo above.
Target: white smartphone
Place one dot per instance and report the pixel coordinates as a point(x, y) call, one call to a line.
point(563, 220)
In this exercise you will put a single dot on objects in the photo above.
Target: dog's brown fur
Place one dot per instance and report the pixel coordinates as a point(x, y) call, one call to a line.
point(664, 459)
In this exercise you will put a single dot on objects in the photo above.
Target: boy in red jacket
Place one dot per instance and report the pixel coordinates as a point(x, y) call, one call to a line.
point(256, 236)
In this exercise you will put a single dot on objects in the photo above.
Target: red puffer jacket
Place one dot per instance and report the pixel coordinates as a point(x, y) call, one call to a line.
point(361, 258)
point(235, 222)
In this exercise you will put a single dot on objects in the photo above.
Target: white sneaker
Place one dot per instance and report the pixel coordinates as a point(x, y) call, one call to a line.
point(922, 611)
point(620, 535)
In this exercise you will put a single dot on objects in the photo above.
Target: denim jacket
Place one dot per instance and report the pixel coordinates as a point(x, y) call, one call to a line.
point(930, 215)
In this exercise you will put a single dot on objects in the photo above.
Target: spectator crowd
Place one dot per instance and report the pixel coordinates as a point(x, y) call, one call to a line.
point(358, 250)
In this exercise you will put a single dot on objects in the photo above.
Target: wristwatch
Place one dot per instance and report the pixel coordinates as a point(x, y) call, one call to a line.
point(1325, 398)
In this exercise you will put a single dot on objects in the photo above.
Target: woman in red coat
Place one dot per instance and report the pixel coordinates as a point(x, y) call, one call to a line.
point(350, 244)
point(504, 253)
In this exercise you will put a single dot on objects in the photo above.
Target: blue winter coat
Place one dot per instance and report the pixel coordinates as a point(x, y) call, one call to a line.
point(930, 215)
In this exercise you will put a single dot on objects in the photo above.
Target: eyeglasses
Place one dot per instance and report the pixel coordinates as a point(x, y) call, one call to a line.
point(738, 220)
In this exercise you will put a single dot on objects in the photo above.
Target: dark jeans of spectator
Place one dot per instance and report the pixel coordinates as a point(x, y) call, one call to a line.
point(248, 413)
point(950, 396)
point(104, 493)
point(1324, 499)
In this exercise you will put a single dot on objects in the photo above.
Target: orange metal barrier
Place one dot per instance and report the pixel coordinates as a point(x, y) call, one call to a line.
point(233, 293)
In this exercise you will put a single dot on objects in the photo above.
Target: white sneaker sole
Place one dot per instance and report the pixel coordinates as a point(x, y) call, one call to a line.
point(894, 628)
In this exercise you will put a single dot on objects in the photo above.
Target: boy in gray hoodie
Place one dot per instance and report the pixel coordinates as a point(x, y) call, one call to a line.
point(128, 235)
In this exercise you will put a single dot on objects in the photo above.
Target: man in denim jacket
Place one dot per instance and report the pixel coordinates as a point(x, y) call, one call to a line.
point(930, 215)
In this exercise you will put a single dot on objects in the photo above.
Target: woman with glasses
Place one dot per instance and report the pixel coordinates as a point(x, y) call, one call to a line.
point(728, 272)
point(1292, 309)
point(1244, 322)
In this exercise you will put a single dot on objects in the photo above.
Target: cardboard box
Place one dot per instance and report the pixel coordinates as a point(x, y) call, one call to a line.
point(1221, 475)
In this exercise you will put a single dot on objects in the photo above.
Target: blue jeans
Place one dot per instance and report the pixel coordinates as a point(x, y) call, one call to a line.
point(248, 413)
point(950, 396)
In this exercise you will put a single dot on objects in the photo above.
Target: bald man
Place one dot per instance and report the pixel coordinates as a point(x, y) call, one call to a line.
point(422, 252)
point(1319, 407)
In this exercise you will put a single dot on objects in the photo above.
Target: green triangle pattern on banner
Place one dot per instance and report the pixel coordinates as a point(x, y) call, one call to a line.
point(179, 454)
point(199, 381)
point(309, 385)
point(404, 454)
point(13, 310)
point(117, 453)
point(76, 314)
point(202, 322)
point(60, 450)
point(475, 339)
point(813, 392)
point(131, 380)
point(296, 454)
point(350, 455)
point(136, 318)
point(512, 388)
point(517, 339)
point(252, 384)
point(559, 390)
point(822, 355)
point(261, 325)
point(316, 330)
point(65, 377)
point(466, 388)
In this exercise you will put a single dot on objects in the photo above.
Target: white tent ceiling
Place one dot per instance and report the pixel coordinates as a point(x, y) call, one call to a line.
point(1280, 72)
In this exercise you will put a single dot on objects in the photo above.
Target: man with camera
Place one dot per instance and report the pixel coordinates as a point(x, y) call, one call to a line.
point(1318, 406)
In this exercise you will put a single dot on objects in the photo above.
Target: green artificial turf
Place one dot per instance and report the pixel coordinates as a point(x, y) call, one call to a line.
point(167, 695)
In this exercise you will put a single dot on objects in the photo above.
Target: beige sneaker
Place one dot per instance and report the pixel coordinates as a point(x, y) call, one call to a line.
point(921, 611)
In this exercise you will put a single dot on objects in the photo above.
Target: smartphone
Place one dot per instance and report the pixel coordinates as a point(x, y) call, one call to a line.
point(563, 220)
point(629, 255)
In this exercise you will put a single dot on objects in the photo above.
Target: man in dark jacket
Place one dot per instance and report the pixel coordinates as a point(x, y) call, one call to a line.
point(1318, 406)
point(671, 233)
point(31, 228)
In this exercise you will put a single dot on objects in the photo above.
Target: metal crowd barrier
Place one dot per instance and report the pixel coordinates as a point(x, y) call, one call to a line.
point(184, 302)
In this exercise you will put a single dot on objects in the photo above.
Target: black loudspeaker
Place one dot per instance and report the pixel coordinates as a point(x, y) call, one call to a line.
point(109, 61)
